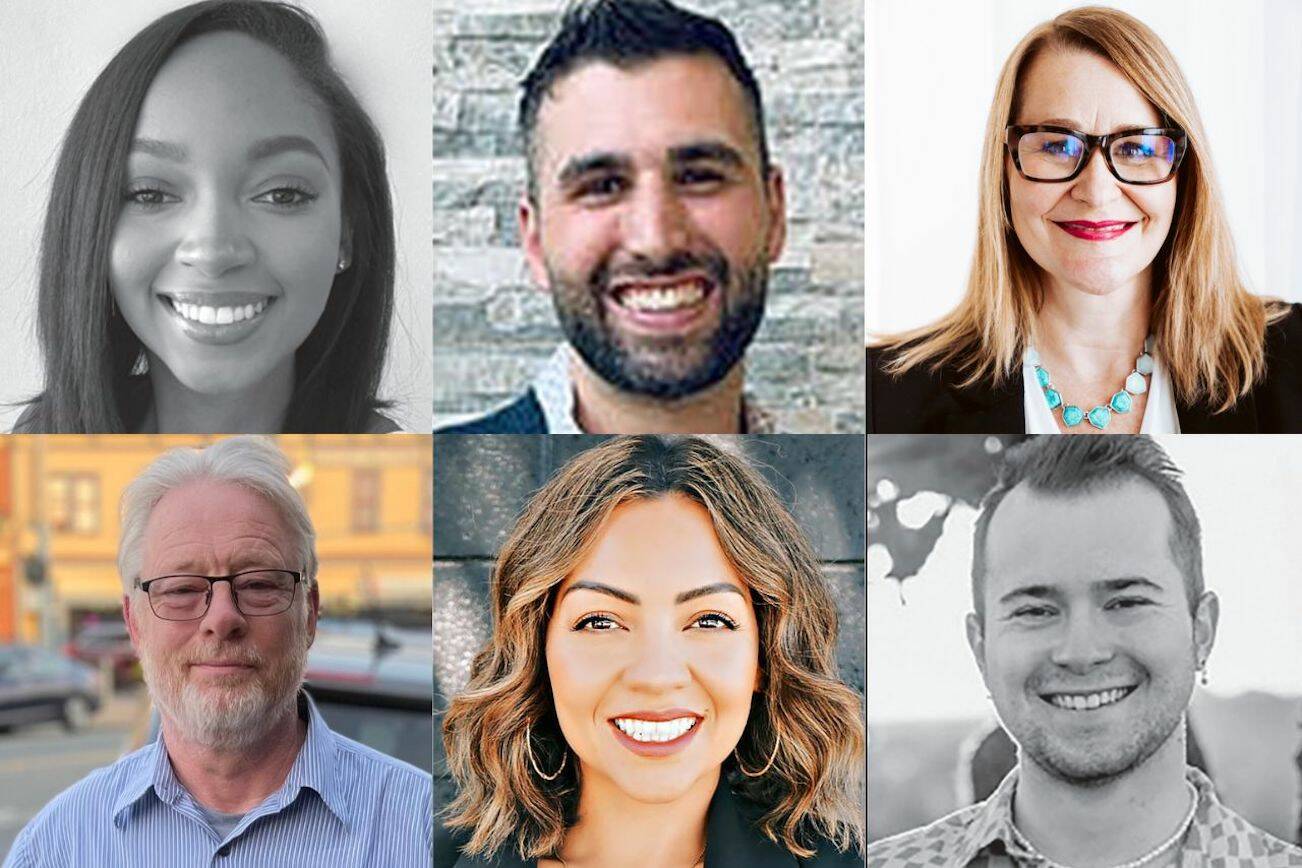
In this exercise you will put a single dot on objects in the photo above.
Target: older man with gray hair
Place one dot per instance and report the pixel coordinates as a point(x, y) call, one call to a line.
point(218, 567)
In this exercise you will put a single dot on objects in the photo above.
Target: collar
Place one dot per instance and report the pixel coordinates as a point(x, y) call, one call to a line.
point(313, 769)
point(990, 830)
point(554, 389)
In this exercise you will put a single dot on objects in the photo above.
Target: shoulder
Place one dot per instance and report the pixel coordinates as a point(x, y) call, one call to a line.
point(378, 423)
point(920, 400)
point(27, 420)
point(936, 844)
point(826, 855)
point(522, 416)
point(397, 776)
point(1284, 335)
point(1276, 395)
point(1226, 834)
point(83, 811)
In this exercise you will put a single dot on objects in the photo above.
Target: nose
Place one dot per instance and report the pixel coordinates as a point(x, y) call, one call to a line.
point(655, 222)
point(214, 238)
point(1083, 643)
point(659, 665)
point(223, 619)
point(1095, 185)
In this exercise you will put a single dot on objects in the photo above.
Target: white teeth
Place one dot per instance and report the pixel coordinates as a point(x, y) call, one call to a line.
point(217, 315)
point(654, 730)
point(663, 298)
point(1090, 701)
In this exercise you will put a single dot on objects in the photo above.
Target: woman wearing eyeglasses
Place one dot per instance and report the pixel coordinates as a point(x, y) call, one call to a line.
point(1104, 296)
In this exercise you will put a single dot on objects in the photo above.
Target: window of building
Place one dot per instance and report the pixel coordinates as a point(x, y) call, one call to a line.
point(366, 500)
point(73, 502)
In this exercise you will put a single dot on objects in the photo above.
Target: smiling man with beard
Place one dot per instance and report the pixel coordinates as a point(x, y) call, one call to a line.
point(1090, 622)
point(218, 566)
point(652, 216)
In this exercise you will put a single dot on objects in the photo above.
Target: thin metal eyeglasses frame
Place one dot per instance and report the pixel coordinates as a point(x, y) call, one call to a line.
point(1014, 132)
point(212, 580)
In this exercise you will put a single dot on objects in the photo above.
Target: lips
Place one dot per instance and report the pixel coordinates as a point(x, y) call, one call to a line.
point(1089, 230)
point(662, 304)
point(1088, 700)
point(216, 318)
point(656, 733)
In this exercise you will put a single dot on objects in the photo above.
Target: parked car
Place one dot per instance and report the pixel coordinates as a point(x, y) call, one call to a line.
point(106, 641)
point(373, 683)
point(37, 685)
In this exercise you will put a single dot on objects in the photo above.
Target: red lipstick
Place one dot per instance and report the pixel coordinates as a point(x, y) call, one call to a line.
point(1089, 230)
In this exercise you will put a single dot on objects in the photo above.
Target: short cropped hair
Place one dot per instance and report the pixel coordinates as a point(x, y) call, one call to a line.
point(252, 462)
point(1067, 466)
point(628, 33)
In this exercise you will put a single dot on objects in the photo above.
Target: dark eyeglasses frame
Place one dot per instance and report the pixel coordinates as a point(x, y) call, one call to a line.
point(1014, 132)
point(212, 580)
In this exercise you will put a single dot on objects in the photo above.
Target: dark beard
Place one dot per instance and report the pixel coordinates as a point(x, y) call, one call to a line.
point(583, 321)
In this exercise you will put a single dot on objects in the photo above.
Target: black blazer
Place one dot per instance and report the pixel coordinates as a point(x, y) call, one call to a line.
point(930, 402)
point(522, 416)
point(731, 841)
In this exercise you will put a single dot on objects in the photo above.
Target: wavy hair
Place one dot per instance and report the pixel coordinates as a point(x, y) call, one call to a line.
point(91, 354)
point(811, 789)
point(1208, 326)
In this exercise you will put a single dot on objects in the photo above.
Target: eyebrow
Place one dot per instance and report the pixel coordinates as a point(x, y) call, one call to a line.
point(713, 151)
point(1045, 592)
point(586, 164)
point(1076, 125)
point(161, 149)
point(262, 149)
point(685, 596)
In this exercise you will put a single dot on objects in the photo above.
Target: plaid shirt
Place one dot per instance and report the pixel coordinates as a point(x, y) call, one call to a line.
point(973, 835)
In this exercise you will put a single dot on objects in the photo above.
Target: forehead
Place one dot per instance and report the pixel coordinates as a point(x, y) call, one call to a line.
point(1071, 84)
point(655, 548)
point(1070, 541)
point(203, 521)
point(221, 91)
point(642, 110)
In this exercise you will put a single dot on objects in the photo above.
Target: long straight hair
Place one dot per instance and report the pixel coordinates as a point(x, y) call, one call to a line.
point(89, 350)
point(1209, 328)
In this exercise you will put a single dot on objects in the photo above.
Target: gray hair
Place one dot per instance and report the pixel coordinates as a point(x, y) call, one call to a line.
point(253, 462)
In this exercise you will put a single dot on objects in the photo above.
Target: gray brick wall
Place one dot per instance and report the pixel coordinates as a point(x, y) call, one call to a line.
point(492, 328)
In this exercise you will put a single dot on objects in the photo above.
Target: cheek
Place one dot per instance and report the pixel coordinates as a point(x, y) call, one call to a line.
point(575, 241)
point(577, 676)
point(137, 253)
point(733, 224)
point(301, 256)
point(727, 667)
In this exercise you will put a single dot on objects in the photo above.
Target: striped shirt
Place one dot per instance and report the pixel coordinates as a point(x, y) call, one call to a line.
point(983, 835)
point(342, 804)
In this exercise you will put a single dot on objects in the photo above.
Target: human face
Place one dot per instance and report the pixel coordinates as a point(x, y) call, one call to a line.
point(1086, 92)
point(654, 223)
point(653, 629)
point(229, 235)
point(225, 678)
point(1088, 648)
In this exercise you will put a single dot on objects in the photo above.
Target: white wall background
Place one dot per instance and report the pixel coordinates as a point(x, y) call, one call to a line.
point(53, 50)
point(931, 70)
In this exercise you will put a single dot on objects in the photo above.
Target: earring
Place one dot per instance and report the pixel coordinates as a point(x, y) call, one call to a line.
point(777, 740)
point(1202, 671)
point(528, 746)
point(341, 265)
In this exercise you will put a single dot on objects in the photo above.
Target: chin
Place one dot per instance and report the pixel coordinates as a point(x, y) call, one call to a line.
point(655, 788)
point(241, 375)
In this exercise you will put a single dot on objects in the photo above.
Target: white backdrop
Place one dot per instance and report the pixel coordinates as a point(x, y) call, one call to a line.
point(932, 65)
point(53, 50)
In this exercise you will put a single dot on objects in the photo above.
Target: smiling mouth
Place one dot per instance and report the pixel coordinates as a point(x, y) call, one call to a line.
point(655, 731)
point(204, 314)
point(1088, 701)
point(1092, 231)
point(660, 297)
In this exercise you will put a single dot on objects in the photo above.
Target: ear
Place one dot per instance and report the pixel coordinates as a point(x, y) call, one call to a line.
point(1206, 617)
point(530, 219)
point(313, 612)
point(776, 202)
point(132, 628)
point(976, 640)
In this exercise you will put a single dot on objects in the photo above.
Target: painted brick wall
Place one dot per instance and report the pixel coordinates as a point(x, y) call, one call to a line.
point(492, 328)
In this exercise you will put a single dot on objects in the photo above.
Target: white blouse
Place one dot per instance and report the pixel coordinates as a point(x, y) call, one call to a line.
point(1159, 412)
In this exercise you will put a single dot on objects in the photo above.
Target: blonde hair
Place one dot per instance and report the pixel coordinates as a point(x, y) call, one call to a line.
point(813, 785)
point(1209, 328)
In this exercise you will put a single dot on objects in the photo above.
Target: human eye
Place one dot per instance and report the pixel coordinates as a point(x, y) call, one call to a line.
point(287, 197)
point(1129, 603)
point(714, 621)
point(148, 197)
point(698, 177)
point(1061, 146)
point(600, 188)
point(1032, 613)
point(597, 622)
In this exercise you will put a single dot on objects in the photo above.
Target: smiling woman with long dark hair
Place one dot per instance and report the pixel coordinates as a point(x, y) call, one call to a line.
point(218, 251)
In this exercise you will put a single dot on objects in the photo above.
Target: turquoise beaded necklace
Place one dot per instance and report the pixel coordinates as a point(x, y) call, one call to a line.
point(1100, 415)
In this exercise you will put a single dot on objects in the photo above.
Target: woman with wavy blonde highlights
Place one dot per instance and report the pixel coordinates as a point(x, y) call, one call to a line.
point(1104, 294)
point(661, 681)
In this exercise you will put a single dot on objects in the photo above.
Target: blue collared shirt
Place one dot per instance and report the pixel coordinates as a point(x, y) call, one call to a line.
point(341, 804)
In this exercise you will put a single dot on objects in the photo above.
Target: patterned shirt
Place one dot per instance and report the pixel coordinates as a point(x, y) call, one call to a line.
point(342, 803)
point(983, 834)
point(554, 390)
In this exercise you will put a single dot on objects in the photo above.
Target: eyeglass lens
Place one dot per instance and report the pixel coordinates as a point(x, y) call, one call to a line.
point(180, 598)
point(1050, 156)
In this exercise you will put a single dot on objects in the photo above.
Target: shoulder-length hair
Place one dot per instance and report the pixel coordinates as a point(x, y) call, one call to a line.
point(90, 352)
point(1209, 327)
point(811, 789)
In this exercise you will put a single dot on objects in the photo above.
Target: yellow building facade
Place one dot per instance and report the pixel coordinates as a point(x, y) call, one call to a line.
point(370, 498)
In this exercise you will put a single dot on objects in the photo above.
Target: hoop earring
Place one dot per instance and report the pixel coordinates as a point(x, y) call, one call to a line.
point(777, 741)
point(528, 746)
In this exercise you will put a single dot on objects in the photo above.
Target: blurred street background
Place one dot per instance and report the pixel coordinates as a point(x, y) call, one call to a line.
point(70, 693)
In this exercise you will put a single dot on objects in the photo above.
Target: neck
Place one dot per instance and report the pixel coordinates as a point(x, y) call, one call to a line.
point(235, 782)
point(618, 831)
point(1089, 331)
point(601, 408)
point(259, 409)
point(1108, 824)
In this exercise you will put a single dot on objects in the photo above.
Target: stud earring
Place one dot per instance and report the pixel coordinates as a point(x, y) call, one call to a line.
point(1202, 670)
point(341, 265)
